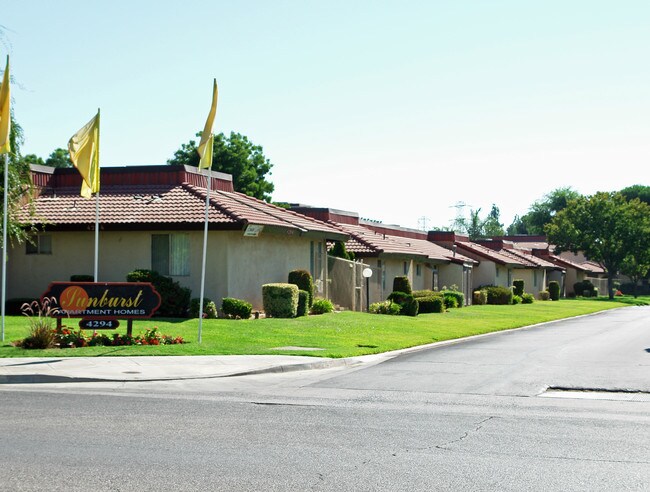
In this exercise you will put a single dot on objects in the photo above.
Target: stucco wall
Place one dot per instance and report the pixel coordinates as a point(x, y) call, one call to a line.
point(449, 275)
point(236, 266)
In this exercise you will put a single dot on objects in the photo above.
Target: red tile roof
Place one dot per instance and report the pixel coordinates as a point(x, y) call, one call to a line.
point(490, 254)
point(182, 204)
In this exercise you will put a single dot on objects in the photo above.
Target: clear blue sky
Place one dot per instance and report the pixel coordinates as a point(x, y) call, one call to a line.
point(393, 109)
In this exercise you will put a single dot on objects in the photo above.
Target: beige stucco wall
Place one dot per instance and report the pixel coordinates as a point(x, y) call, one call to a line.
point(528, 276)
point(449, 275)
point(237, 266)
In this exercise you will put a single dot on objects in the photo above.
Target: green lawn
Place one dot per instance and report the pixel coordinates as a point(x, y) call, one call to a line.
point(342, 334)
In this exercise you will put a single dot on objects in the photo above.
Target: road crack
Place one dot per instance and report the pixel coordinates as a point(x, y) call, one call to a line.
point(476, 428)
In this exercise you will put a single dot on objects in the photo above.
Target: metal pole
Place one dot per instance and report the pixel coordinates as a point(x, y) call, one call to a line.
point(4, 243)
point(205, 249)
point(96, 236)
point(367, 294)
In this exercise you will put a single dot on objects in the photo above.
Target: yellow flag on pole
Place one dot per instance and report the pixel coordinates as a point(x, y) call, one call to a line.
point(207, 130)
point(206, 158)
point(5, 112)
point(84, 154)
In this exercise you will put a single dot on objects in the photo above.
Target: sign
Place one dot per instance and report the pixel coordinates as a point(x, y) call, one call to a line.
point(253, 230)
point(104, 300)
point(99, 324)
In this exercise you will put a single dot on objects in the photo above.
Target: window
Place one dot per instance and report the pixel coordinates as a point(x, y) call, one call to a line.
point(406, 268)
point(418, 270)
point(170, 254)
point(535, 278)
point(497, 272)
point(42, 245)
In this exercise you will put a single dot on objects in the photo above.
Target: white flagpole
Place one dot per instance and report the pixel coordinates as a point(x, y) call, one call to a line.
point(4, 243)
point(96, 236)
point(205, 248)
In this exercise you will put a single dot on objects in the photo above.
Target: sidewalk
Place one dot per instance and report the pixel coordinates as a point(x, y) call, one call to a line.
point(155, 368)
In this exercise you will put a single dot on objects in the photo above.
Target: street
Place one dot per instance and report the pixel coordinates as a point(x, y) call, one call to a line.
point(475, 415)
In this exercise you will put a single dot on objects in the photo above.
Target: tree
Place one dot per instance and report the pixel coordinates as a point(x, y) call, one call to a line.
point(637, 191)
point(33, 159)
point(477, 228)
point(491, 224)
point(542, 211)
point(19, 185)
point(59, 158)
point(636, 265)
point(235, 155)
point(605, 227)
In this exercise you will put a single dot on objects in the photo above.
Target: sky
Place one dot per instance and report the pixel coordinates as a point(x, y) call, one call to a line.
point(401, 111)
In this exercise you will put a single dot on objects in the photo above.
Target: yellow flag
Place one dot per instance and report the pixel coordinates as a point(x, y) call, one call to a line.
point(206, 158)
point(207, 130)
point(5, 112)
point(84, 154)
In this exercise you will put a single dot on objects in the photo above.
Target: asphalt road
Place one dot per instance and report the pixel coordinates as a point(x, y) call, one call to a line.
point(462, 417)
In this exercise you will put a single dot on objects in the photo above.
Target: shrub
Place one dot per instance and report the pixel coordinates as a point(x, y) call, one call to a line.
point(544, 295)
point(554, 290)
point(424, 293)
point(402, 284)
point(303, 303)
point(516, 299)
point(450, 301)
point(518, 287)
point(302, 278)
point(459, 297)
point(280, 300)
point(321, 306)
point(527, 298)
point(209, 308)
point(42, 334)
point(386, 307)
point(13, 307)
point(236, 308)
point(585, 288)
point(498, 295)
point(82, 278)
point(431, 304)
point(407, 303)
point(175, 300)
point(479, 297)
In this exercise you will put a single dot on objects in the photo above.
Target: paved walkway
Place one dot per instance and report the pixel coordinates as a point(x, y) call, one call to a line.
point(157, 368)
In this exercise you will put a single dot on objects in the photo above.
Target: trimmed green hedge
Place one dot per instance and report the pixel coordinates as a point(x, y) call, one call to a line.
point(458, 297)
point(302, 278)
point(303, 303)
point(479, 297)
point(280, 300)
point(554, 290)
point(209, 308)
point(402, 284)
point(431, 304)
point(236, 308)
point(498, 295)
point(407, 303)
point(518, 287)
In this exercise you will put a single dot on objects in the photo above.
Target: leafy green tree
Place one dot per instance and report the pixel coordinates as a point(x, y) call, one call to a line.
point(491, 225)
point(636, 265)
point(637, 191)
point(19, 185)
point(605, 227)
point(59, 158)
point(235, 155)
point(542, 211)
point(518, 226)
point(33, 159)
point(477, 228)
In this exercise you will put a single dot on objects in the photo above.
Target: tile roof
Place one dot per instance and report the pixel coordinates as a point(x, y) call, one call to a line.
point(364, 240)
point(165, 204)
point(490, 254)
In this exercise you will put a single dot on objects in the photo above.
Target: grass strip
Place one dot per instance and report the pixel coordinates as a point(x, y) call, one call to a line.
point(343, 334)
